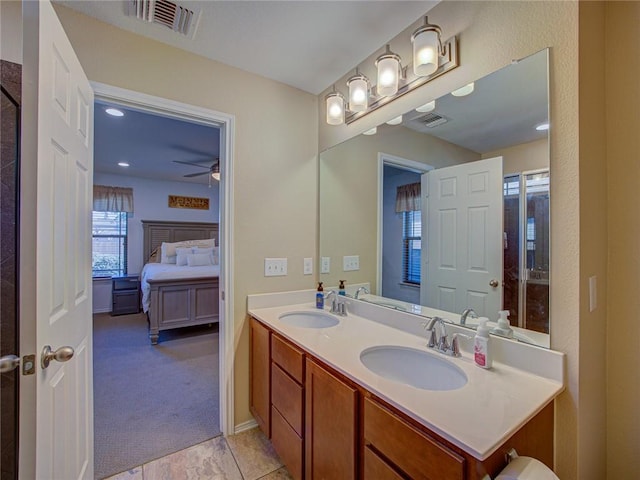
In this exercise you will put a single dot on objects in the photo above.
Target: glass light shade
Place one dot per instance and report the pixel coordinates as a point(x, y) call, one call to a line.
point(463, 91)
point(358, 94)
point(335, 109)
point(425, 53)
point(371, 131)
point(388, 74)
point(427, 107)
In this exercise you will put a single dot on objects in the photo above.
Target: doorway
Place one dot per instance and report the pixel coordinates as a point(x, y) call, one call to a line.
point(225, 124)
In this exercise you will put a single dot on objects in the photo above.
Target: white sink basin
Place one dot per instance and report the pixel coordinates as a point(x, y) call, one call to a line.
point(413, 367)
point(309, 319)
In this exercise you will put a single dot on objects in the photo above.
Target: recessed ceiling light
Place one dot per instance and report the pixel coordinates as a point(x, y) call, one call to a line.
point(114, 112)
point(542, 126)
point(371, 131)
point(123, 164)
point(395, 121)
point(462, 91)
point(427, 107)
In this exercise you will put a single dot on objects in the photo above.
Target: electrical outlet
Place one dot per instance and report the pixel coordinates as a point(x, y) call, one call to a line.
point(350, 263)
point(275, 267)
point(308, 266)
point(325, 265)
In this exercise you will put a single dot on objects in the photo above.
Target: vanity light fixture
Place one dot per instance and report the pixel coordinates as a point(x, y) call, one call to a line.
point(427, 107)
point(464, 91)
point(358, 92)
point(123, 164)
point(335, 107)
point(395, 121)
point(432, 58)
point(542, 126)
point(371, 131)
point(427, 48)
point(114, 112)
point(389, 69)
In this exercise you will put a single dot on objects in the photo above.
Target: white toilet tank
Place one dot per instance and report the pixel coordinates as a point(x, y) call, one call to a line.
point(526, 468)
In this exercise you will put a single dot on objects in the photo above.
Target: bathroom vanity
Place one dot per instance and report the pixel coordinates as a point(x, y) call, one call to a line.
point(328, 416)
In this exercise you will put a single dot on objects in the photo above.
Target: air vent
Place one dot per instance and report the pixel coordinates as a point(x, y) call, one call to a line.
point(168, 14)
point(431, 120)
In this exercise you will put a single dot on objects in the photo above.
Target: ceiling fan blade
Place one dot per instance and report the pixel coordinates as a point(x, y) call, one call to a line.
point(189, 175)
point(192, 164)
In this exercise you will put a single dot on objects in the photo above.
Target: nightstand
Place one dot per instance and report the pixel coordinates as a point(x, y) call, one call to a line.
point(125, 295)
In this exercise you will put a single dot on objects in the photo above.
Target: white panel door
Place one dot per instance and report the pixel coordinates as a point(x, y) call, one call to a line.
point(64, 390)
point(462, 257)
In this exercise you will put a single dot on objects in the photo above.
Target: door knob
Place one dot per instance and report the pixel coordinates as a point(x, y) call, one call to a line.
point(8, 363)
point(494, 283)
point(62, 354)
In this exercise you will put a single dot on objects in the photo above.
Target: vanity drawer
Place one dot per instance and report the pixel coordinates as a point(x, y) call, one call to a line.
point(287, 443)
point(376, 468)
point(288, 357)
point(413, 452)
point(287, 397)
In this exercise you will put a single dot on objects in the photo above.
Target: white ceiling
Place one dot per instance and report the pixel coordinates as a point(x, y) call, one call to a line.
point(305, 44)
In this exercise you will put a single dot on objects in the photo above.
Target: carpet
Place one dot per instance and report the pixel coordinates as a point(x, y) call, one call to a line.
point(150, 401)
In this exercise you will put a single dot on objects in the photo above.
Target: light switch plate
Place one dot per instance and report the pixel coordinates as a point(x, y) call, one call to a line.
point(308, 266)
point(325, 265)
point(275, 267)
point(350, 263)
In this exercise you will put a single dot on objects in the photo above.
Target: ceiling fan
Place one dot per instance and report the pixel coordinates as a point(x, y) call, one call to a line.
point(213, 170)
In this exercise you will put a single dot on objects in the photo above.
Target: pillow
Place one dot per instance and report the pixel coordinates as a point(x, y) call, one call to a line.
point(181, 255)
point(167, 253)
point(169, 249)
point(210, 251)
point(199, 259)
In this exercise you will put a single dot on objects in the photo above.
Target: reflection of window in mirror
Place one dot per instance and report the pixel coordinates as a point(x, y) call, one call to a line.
point(411, 246)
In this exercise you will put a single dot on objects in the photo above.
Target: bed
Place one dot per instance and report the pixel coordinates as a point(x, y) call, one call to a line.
point(176, 296)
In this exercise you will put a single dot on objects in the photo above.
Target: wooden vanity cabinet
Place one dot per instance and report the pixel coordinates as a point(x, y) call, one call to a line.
point(406, 451)
point(331, 433)
point(287, 404)
point(260, 374)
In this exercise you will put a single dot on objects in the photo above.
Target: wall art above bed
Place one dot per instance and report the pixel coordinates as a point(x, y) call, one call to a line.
point(196, 203)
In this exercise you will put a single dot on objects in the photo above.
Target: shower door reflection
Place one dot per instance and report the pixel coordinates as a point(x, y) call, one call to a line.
point(526, 249)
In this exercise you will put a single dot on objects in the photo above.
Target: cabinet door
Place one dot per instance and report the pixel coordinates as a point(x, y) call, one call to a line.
point(330, 429)
point(260, 373)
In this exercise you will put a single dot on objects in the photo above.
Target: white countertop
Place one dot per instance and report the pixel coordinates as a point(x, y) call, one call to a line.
point(478, 417)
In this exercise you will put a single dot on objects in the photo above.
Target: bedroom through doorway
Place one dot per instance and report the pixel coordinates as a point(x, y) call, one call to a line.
point(157, 243)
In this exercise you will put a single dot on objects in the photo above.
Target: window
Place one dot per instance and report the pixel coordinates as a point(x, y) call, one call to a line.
point(412, 246)
point(109, 244)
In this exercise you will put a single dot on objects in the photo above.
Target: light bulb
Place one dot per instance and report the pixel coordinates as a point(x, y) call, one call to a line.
point(335, 108)
point(358, 93)
point(425, 53)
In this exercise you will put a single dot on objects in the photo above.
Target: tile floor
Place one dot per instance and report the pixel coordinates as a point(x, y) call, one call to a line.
point(246, 456)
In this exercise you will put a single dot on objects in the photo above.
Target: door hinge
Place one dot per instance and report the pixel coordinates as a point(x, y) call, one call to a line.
point(28, 365)
point(222, 295)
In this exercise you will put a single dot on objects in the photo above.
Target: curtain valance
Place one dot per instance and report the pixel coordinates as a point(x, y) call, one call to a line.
point(112, 199)
point(408, 198)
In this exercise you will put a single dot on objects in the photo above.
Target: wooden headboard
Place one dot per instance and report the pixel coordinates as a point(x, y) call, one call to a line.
point(157, 231)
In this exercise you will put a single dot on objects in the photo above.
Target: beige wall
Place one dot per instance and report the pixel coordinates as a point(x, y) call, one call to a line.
point(11, 31)
point(524, 157)
point(622, 112)
point(349, 193)
point(491, 34)
point(275, 163)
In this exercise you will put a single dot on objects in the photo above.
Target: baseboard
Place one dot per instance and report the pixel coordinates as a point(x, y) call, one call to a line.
point(244, 426)
point(102, 310)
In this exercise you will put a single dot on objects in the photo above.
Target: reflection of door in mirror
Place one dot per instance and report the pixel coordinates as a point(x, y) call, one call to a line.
point(462, 255)
point(526, 249)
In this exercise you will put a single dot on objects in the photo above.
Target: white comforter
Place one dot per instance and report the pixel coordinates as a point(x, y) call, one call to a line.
point(168, 271)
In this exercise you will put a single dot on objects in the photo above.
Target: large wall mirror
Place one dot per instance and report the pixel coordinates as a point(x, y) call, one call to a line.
point(447, 208)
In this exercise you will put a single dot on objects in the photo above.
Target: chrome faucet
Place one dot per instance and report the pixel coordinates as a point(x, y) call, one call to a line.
point(361, 289)
point(469, 312)
point(440, 341)
point(337, 307)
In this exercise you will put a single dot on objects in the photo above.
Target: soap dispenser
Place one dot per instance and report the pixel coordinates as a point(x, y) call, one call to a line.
point(504, 327)
point(482, 345)
point(320, 296)
point(341, 290)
